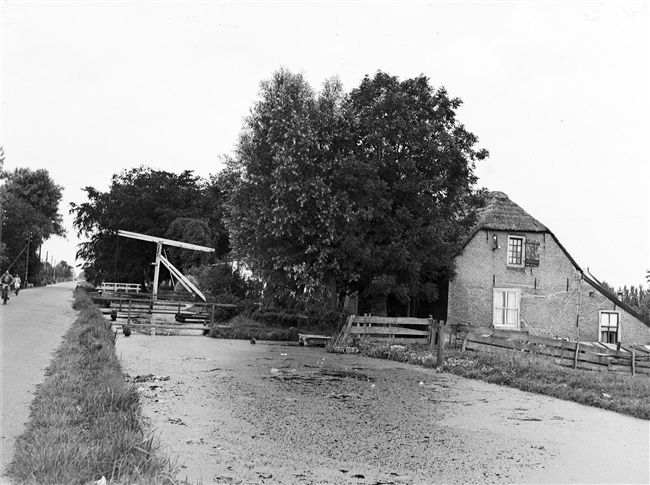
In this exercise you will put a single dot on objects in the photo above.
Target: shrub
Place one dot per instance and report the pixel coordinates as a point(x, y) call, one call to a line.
point(322, 320)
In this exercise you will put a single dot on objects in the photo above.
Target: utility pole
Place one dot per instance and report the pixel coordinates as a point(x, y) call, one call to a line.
point(29, 238)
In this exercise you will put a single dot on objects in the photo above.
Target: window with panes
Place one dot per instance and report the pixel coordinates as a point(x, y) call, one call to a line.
point(506, 308)
point(609, 327)
point(515, 251)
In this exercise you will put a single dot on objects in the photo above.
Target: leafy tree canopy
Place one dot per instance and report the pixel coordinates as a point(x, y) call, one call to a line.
point(29, 200)
point(142, 200)
point(194, 231)
point(415, 201)
point(285, 209)
point(373, 189)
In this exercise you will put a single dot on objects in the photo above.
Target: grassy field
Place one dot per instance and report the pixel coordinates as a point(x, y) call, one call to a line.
point(85, 421)
point(613, 391)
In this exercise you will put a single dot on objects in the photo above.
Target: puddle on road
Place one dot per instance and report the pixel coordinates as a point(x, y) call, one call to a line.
point(320, 375)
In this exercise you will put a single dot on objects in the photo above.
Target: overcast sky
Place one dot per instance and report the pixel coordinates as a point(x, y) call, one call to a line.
point(556, 91)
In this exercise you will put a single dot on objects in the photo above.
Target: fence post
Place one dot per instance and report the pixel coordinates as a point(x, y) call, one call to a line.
point(432, 333)
point(440, 357)
point(633, 361)
point(575, 356)
point(128, 318)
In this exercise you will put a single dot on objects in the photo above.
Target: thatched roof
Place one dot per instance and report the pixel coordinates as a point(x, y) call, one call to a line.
point(502, 214)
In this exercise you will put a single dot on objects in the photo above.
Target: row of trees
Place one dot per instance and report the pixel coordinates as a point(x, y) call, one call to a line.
point(29, 213)
point(328, 192)
point(636, 297)
point(181, 206)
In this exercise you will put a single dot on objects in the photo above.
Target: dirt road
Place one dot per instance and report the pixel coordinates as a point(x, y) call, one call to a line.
point(234, 412)
point(32, 325)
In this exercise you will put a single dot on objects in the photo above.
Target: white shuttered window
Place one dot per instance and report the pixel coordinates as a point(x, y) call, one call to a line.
point(506, 308)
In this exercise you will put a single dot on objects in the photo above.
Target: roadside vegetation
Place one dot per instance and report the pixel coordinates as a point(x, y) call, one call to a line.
point(85, 421)
point(612, 391)
point(277, 324)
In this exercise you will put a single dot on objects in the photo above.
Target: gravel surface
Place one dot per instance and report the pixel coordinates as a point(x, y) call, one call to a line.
point(234, 412)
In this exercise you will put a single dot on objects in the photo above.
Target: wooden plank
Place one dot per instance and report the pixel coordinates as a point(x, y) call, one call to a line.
point(542, 350)
point(642, 349)
point(440, 350)
point(387, 331)
point(517, 345)
point(471, 345)
point(565, 344)
point(346, 330)
point(391, 320)
point(396, 340)
point(308, 340)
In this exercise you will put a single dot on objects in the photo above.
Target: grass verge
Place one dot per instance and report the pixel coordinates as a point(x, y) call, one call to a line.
point(613, 391)
point(85, 421)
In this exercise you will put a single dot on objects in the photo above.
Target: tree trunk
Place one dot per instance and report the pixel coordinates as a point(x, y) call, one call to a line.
point(378, 305)
point(330, 283)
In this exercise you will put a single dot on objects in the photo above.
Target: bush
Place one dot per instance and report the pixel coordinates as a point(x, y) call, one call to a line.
point(245, 327)
point(323, 320)
point(222, 279)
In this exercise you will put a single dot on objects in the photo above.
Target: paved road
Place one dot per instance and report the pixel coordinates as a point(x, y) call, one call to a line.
point(32, 325)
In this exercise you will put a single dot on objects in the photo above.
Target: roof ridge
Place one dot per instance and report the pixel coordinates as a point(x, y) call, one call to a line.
point(501, 213)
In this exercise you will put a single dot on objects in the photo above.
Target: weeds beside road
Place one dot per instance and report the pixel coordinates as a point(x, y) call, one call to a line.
point(85, 420)
point(613, 391)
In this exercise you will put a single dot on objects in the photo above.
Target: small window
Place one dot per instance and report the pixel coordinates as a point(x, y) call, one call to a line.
point(506, 308)
point(515, 251)
point(609, 328)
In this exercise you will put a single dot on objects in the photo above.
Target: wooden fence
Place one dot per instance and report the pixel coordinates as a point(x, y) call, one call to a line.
point(127, 308)
point(434, 333)
point(579, 355)
point(394, 329)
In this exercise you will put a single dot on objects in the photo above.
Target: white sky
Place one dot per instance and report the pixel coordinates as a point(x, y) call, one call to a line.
point(556, 91)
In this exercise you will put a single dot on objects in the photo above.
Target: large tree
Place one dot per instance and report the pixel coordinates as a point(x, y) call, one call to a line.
point(416, 199)
point(29, 200)
point(286, 209)
point(142, 200)
point(371, 190)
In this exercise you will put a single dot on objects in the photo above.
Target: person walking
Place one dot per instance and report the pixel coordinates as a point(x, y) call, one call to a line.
point(17, 282)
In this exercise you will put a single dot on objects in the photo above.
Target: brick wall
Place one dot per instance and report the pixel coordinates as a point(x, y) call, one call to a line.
point(554, 298)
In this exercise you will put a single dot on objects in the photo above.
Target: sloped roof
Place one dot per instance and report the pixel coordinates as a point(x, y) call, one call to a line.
point(502, 214)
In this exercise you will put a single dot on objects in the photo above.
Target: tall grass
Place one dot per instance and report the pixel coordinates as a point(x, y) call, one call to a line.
point(85, 421)
point(613, 391)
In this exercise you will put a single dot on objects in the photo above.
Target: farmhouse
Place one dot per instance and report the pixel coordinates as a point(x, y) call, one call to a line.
point(513, 273)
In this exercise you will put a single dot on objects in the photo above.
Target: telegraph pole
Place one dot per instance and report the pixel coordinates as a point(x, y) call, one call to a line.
point(27, 263)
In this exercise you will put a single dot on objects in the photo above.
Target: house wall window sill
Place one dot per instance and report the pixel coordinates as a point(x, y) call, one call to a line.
point(507, 327)
point(521, 269)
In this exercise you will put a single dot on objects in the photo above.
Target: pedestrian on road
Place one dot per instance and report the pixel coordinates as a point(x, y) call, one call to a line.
point(17, 282)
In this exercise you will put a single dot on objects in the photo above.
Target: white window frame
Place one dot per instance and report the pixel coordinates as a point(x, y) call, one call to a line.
point(500, 312)
point(609, 327)
point(523, 252)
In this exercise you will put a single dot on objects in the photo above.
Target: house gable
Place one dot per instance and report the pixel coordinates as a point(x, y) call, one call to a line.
point(553, 297)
